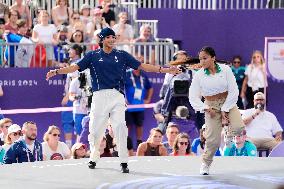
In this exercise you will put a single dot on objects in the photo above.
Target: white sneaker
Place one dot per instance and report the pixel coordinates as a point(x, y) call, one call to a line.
point(204, 169)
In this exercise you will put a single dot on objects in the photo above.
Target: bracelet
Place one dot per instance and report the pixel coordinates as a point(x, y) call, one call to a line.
point(252, 116)
point(160, 69)
point(56, 71)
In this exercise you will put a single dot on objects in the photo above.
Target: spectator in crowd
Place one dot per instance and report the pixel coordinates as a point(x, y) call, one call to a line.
point(239, 72)
point(4, 11)
point(255, 78)
point(241, 146)
point(85, 12)
point(14, 133)
point(217, 84)
point(153, 146)
point(76, 24)
point(52, 148)
point(98, 22)
point(24, 11)
point(171, 133)
point(124, 32)
point(262, 126)
point(78, 37)
point(104, 148)
point(78, 151)
point(27, 149)
point(111, 142)
point(146, 36)
point(5, 123)
point(182, 146)
point(22, 28)
point(11, 25)
point(138, 90)
point(61, 13)
point(198, 144)
point(45, 33)
point(108, 14)
point(61, 54)
point(2, 40)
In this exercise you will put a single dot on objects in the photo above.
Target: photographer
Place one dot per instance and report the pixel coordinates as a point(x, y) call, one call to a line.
point(176, 106)
point(79, 91)
point(263, 128)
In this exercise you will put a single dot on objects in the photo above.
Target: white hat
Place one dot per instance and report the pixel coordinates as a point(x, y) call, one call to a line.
point(259, 95)
point(13, 128)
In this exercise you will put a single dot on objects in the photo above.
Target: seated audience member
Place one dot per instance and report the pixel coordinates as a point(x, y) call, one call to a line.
point(78, 151)
point(171, 133)
point(153, 146)
point(5, 123)
point(61, 13)
point(107, 13)
point(104, 148)
point(198, 144)
point(23, 10)
point(11, 25)
point(52, 148)
point(27, 149)
point(14, 133)
point(111, 142)
point(241, 147)
point(182, 146)
point(262, 126)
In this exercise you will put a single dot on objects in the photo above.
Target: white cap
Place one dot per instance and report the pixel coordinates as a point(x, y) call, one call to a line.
point(14, 128)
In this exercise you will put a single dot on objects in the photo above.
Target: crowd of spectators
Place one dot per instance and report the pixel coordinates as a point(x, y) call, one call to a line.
point(42, 38)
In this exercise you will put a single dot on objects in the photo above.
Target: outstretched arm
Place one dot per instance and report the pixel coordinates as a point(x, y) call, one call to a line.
point(65, 70)
point(159, 69)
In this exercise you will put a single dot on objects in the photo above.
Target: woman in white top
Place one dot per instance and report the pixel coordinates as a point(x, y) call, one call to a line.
point(52, 148)
point(124, 32)
point(255, 78)
point(45, 34)
point(217, 84)
point(61, 13)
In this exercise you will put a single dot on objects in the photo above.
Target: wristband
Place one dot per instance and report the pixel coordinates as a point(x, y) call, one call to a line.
point(160, 69)
point(252, 116)
point(56, 71)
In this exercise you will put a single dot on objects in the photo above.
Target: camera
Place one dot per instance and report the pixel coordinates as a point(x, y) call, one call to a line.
point(87, 89)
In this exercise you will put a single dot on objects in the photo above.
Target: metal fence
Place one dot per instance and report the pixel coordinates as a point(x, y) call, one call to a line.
point(33, 55)
point(209, 4)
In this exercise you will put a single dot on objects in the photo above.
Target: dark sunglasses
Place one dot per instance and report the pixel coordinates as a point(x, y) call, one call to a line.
point(237, 62)
point(183, 143)
point(76, 18)
point(56, 135)
point(18, 133)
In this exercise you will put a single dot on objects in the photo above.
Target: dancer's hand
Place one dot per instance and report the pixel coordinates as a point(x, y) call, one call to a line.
point(225, 119)
point(211, 112)
point(50, 74)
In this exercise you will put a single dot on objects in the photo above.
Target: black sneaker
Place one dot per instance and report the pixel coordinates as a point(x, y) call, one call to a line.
point(124, 168)
point(92, 165)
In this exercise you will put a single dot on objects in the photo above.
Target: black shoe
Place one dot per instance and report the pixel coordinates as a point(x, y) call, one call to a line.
point(92, 165)
point(124, 168)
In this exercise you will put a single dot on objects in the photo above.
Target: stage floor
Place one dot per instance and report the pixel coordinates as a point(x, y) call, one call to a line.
point(146, 172)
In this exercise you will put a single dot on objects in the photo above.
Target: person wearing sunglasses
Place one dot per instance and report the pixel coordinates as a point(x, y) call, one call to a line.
point(52, 148)
point(182, 146)
point(239, 73)
point(14, 133)
point(25, 149)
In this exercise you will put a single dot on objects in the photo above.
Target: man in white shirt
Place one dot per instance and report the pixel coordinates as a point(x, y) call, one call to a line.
point(262, 126)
